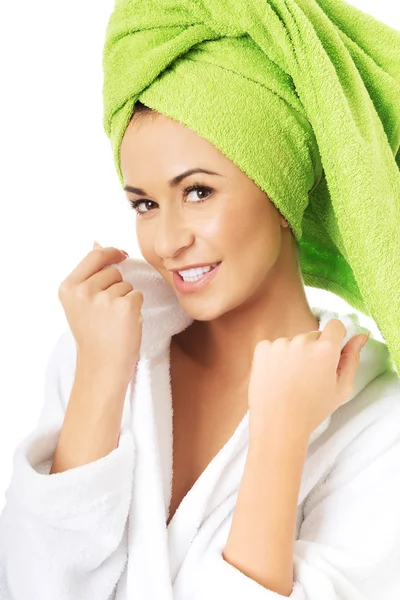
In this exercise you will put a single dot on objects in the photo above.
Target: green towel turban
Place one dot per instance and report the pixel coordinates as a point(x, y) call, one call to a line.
point(304, 97)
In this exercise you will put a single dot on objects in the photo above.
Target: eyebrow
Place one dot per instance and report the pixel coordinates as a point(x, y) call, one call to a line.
point(174, 182)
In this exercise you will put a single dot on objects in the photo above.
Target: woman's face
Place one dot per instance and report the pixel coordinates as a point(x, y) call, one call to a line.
point(228, 219)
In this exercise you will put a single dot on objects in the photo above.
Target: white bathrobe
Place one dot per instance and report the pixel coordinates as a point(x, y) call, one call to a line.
point(98, 531)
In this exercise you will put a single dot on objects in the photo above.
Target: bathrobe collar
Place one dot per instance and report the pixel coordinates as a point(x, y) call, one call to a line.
point(159, 556)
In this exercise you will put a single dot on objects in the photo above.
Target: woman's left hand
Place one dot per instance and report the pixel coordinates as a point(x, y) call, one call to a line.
point(297, 383)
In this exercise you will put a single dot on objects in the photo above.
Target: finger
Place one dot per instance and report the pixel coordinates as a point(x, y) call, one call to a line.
point(137, 295)
point(348, 363)
point(119, 289)
point(93, 262)
point(313, 335)
point(334, 331)
point(103, 280)
point(309, 335)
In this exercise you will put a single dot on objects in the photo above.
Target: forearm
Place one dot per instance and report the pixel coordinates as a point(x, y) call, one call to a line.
point(92, 421)
point(261, 538)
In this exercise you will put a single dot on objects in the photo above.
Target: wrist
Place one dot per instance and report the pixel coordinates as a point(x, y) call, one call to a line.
point(100, 377)
point(277, 432)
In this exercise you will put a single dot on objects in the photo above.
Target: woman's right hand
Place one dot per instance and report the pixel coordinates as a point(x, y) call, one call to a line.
point(104, 313)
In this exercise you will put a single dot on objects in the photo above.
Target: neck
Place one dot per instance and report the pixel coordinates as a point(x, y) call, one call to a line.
point(225, 345)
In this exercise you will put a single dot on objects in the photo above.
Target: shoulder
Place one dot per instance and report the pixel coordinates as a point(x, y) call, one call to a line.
point(376, 403)
point(376, 412)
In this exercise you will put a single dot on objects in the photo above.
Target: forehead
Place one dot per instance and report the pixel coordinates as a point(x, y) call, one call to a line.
point(164, 145)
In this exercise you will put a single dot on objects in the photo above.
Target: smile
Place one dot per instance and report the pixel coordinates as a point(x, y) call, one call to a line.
point(197, 279)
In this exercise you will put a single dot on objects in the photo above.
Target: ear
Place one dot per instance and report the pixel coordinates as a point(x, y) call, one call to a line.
point(284, 223)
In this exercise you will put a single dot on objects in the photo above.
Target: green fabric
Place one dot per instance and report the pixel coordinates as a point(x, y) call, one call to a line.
point(303, 96)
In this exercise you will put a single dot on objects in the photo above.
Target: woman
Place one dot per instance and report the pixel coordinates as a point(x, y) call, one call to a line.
point(285, 450)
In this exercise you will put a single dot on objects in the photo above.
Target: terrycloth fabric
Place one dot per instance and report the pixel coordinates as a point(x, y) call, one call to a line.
point(304, 96)
point(99, 531)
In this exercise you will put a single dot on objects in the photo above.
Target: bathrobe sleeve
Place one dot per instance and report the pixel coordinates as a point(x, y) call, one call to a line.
point(64, 536)
point(348, 547)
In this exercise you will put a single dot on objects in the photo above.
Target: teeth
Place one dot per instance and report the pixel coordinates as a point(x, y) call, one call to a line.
point(197, 273)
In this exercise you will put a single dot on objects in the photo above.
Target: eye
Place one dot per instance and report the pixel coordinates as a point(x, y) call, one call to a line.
point(193, 188)
point(196, 188)
point(136, 203)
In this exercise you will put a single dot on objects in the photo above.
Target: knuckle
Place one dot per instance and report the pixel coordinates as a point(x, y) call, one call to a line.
point(80, 291)
point(65, 290)
point(280, 342)
point(62, 289)
point(262, 344)
point(261, 349)
point(299, 340)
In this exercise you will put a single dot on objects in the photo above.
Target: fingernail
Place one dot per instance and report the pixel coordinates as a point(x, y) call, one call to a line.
point(126, 254)
point(365, 339)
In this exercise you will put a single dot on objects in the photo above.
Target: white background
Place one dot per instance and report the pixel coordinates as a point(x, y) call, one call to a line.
point(59, 190)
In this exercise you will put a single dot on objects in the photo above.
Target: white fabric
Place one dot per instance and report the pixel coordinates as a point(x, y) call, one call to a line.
point(99, 531)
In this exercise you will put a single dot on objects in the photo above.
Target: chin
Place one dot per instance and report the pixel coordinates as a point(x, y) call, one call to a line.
point(200, 309)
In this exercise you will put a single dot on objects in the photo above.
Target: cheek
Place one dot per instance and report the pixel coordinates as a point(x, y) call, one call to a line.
point(239, 230)
point(232, 221)
point(251, 243)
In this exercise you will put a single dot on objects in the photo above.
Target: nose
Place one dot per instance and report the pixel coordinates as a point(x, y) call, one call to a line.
point(173, 234)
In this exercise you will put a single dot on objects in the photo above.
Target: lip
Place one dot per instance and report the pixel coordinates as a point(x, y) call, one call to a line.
point(188, 287)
